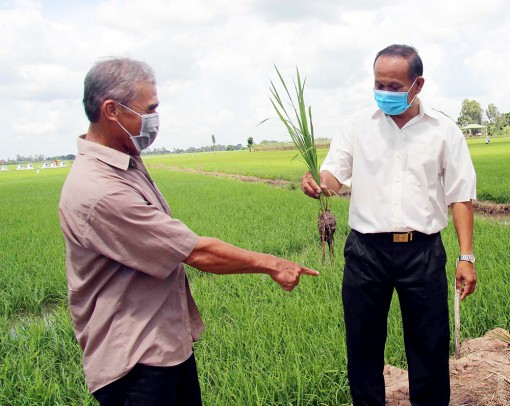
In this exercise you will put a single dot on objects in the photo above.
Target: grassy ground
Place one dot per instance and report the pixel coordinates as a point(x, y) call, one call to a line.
point(262, 345)
point(267, 165)
point(492, 164)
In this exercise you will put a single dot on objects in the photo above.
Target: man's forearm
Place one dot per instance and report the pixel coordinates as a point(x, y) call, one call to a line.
point(216, 256)
point(463, 220)
point(465, 274)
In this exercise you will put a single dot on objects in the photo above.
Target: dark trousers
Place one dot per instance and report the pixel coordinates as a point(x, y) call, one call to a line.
point(147, 385)
point(374, 267)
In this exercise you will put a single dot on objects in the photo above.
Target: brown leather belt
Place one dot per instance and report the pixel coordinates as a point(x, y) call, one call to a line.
point(403, 237)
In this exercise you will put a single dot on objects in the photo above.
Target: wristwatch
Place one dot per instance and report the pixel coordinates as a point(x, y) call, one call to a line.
point(467, 257)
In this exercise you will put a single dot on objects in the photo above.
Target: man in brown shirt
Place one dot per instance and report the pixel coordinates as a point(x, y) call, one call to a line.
point(130, 301)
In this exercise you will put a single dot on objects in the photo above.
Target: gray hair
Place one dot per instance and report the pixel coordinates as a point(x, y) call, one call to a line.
point(114, 78)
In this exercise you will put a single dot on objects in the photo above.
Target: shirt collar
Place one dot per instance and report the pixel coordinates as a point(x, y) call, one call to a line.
point(103, 153)
point(429, 112)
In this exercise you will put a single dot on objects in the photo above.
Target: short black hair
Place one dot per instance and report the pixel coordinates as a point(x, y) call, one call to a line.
point(404, 51)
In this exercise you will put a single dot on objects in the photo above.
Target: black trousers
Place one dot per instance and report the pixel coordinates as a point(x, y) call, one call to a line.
point(374, 267)
point(147, 385)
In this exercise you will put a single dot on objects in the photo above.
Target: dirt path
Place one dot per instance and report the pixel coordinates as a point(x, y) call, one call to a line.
point(481, 207)
point(491, 209)
point(254, 179)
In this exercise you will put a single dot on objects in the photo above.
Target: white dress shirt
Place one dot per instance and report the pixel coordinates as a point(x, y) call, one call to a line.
point(401, 179)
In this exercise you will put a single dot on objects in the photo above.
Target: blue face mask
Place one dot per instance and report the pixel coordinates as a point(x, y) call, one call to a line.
point(393, 103)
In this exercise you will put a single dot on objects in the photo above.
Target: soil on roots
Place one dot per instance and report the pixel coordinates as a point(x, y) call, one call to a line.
point(326, 224)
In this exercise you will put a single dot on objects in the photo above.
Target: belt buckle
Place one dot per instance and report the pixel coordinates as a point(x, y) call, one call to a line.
point(402, 237)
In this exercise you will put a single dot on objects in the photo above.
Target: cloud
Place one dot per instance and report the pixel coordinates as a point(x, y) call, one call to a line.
point(45, 82)
point(214, 61)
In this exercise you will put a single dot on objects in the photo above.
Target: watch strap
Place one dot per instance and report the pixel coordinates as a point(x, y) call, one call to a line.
point(467, 258)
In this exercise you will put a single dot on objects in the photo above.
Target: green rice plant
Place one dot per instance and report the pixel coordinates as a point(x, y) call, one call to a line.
point(301, 132)
point(40, 361)
point(261, 345)
point(32, 269)
point(492, 166)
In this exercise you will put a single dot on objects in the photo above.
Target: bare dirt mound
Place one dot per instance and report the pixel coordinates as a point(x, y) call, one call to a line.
point(480, 377)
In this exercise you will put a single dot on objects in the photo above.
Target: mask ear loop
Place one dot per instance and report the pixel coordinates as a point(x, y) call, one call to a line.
point(124, 128)
point(138, 114)
point(411, 103)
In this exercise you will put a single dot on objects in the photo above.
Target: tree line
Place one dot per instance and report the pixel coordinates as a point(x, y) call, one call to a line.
point(36, 158)
point(472, 112)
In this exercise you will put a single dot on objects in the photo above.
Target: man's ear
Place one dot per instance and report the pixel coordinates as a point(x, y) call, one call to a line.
point(420, 81)
point(110, 110)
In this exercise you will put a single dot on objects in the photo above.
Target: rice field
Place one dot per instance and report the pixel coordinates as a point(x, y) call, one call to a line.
point(262, 345)
point(492, 163)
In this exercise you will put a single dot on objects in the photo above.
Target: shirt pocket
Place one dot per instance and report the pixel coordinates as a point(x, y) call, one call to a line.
point(421, 165)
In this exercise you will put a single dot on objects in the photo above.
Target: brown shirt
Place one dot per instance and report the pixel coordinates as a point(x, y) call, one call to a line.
point(128, 293)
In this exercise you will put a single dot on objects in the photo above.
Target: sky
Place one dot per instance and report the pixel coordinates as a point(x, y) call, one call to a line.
point(214, 61)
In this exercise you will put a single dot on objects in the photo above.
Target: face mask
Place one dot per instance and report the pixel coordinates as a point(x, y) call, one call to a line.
point(393, 103)
point(148, 130)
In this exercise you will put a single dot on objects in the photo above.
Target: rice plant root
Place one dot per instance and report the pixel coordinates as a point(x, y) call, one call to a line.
point(327, 225)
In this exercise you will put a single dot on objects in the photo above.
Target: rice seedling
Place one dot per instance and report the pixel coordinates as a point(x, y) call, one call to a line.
point(302, 134)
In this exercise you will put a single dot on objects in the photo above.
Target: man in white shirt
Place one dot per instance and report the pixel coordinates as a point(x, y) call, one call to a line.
point(405, 164)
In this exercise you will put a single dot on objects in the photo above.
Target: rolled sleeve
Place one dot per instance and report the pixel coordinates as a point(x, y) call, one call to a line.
point(338, 161)
point(126, 228)
point(459, 176)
